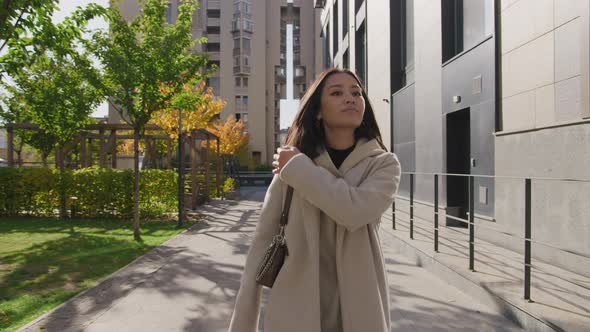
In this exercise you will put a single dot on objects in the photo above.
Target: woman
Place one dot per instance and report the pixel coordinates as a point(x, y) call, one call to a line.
point(344, 179)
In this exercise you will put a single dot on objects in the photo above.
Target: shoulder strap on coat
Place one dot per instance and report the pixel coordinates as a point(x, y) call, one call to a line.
point(287, 206)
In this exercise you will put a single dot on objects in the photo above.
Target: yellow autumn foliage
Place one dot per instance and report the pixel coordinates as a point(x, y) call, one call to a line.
point(198, 105)
point(231, 134)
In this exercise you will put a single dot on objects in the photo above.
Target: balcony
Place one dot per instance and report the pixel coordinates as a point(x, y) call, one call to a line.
point(214, 56)
point(241, 69)
point(213, 4)
point(213, 38)
point(242, 51)
point(213, 22)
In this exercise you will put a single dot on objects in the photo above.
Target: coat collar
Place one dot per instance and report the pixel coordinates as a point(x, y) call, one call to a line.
point(364, 148)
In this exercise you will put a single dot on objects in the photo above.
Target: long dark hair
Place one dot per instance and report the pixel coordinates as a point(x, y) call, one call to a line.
point(307, 135)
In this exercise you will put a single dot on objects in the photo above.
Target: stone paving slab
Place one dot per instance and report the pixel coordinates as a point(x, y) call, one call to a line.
point(189, 284)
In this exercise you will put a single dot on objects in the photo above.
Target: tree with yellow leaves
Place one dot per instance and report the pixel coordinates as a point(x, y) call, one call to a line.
point(231, 135)
point(197, 104)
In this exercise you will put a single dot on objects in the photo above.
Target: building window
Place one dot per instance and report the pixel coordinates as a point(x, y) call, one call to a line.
point(335, 27)
point(245, 82)
point(357, 5)
point(242, 7)
point(465, 24)
point(299, 71)
point(213, 47)
point(213, 13)
point(257, 156)
point(236, 60)
point(402, 43)
point(246, 43)
point(360, 56)
point(236, 42)
point(214, 83)
point(213, 30)
point(344, 17)
point(213, 63)
point(408, 53)
point(245, 101)
point(345, 59)
point(248, 25)
point(246, 60)
point(237, 82)
point(326, 47)
point(452, 28)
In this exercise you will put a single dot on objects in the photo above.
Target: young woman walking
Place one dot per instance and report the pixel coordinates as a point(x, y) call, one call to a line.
point(334, 278)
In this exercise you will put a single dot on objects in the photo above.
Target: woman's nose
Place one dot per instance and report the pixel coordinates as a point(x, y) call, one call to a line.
point(349, 98)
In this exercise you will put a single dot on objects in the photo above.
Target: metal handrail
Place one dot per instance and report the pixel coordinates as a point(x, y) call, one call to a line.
point(471, 215)
point(501, 176)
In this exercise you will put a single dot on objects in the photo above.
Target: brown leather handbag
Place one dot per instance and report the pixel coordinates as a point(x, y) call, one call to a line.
point(276, 252)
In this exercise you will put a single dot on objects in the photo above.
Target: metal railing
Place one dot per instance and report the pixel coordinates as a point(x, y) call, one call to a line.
point(470, 222)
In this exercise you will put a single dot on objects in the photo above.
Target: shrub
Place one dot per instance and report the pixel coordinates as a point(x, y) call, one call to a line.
point(92, 192)
point(229, 185)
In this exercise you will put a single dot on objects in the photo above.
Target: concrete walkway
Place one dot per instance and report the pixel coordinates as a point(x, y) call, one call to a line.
point(189, 284)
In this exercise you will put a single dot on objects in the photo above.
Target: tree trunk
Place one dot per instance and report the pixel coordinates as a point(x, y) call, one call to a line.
point(62, 186)
point(19, 158)
point(136, 233)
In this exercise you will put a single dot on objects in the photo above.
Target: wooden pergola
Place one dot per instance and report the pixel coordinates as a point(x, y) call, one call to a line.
point(107, 135)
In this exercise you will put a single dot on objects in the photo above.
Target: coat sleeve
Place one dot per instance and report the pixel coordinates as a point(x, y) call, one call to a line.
point(350, 206)
point(247, 305)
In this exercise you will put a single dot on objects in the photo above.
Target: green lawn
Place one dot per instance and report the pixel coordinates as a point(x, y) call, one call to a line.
point(45, 262)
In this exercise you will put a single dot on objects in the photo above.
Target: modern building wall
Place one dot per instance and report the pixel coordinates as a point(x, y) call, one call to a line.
point(545, 127)
point(351, 40)
point(505, 95)
point(249, 77)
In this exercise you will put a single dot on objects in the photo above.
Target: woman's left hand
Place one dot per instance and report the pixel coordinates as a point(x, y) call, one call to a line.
point(284, 154)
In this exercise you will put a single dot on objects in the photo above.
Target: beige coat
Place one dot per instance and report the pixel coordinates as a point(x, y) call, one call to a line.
point(354, 197)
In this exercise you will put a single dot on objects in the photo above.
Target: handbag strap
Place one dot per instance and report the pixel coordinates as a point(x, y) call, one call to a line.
point(286, 207)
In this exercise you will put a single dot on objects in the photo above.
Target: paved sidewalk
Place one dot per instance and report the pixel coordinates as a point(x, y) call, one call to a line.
point(189, 284)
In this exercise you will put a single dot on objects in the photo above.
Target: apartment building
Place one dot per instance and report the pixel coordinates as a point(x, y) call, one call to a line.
point(497, 89)
point(247, 40)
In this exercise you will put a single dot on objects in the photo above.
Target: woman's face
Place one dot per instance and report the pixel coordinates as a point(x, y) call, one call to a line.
point(342, 102)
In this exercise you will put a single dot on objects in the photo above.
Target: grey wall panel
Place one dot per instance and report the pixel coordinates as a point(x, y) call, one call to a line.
point(403, 115)
point(406, 153)
point(460, 78)
point(482, 150)
point(471, 76)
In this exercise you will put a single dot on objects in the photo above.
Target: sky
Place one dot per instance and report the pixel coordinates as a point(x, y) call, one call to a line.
point(65, 8)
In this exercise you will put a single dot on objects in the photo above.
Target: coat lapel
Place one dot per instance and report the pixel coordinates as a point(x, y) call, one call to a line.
point(364, 148)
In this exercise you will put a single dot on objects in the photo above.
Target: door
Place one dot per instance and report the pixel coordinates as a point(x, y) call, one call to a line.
point(458, 162)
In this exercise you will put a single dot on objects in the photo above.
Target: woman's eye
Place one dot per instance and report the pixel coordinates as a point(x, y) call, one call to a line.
point(336, 93)
point(356, 94)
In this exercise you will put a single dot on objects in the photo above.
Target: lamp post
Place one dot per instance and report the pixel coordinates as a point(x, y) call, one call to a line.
point(180, 173)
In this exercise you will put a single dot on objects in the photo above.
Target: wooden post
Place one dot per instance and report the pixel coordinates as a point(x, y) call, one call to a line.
point(169, 153)
point(103, 155)
point(147, 152)
point(114, 148)
point(207, 166)
point(89, 155)
point(154, 152)
point(194, 172)
point(83, 157)
point(219, 169)
point(10, 152)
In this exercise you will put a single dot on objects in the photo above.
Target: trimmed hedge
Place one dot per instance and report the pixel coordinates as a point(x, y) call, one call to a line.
point(91, 192)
